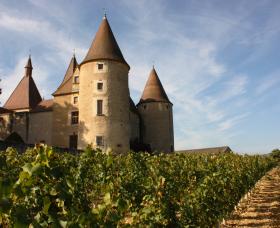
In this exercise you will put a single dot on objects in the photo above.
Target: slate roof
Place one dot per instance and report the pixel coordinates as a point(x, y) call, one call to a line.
point(66, 85)
point(104, 46)
point(26, 94)
point(153, 91)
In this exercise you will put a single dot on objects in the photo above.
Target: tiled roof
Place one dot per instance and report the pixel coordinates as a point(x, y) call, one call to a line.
point(104, 46)
point(213, 150)
point(154, 91)
point(26, 94)
point(44, 106)
point(66, 85)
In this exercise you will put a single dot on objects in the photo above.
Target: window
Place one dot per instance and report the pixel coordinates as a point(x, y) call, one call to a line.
point(74, 117)
point(73, 141)
point(75, 100)
point(99, 86)
point(99, 107)
point(76, 79)
point(99, 141)
point(100, 66)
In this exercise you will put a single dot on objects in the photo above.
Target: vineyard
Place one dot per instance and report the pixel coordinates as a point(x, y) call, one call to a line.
point(45, 188)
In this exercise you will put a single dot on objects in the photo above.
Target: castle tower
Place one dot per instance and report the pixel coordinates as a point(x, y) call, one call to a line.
point(104, 95)
point(156, 116)
point(23, 99)
point(26, 95)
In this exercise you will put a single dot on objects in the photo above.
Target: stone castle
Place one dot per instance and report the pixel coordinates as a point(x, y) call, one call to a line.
point(92, 106)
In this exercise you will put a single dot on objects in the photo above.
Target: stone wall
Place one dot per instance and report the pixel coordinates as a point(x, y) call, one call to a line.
point(62, 127)
point(134, 126)
point(113, 125)
point(157, 126)
point(40, 127)
point(5, 125)
point(20, 125)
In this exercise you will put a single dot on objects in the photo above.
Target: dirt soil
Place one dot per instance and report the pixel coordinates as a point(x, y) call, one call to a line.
point(262, 207)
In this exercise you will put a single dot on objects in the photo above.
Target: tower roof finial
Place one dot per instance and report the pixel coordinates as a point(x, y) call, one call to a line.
point(104, 12)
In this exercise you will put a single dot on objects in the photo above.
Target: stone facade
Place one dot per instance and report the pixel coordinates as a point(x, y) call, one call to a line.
point(40, 127)
point(112, 124)
point(157, 125)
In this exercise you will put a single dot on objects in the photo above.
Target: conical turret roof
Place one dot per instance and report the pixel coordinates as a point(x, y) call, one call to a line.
point(26, 94)
point(104, 46)
point(66, 84)
point(154, 91)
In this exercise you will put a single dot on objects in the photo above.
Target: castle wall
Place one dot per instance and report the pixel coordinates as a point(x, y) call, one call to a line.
point(114, 124)
point(134, 126)
point(5, 125)
point(40, 127)
point(157, 126)
point(61, 126)
point(20, 125)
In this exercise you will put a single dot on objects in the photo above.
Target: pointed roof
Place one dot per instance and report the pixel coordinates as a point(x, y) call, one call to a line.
point(153, 91)
point(66, 85)
point(26, 94)
point(104, 46)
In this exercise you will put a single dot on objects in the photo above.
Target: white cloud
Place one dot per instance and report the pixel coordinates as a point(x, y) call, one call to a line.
point(43, 31)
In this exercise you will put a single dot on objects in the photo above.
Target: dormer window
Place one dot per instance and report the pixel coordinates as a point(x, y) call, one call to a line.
point(76, 79)
point(100, 66)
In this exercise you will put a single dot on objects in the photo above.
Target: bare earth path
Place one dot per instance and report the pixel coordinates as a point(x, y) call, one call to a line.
point(262, 208)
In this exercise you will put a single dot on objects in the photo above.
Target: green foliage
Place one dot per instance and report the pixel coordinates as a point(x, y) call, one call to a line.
point(45, 188)
point(275, 154)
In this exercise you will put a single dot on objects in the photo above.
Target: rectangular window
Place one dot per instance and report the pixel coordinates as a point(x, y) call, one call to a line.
point(100, 66)
point(76, 79)
point(73, 141)
point(99, 107)
point(75, 100)
point(74, 117)
point(99, 141)
point(99, 86)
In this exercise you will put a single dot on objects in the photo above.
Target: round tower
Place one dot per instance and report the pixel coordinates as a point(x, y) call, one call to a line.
point(104, 95)
point(156, 116)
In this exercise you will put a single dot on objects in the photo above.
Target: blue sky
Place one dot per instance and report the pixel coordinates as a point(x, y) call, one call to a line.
point(218, 60)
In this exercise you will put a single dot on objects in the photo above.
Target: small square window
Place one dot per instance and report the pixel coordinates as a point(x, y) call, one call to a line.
point(100, 66)
point(99, 140)
point(74, 117)
point(100, 86)
point(75, 100)
point(76, 79)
